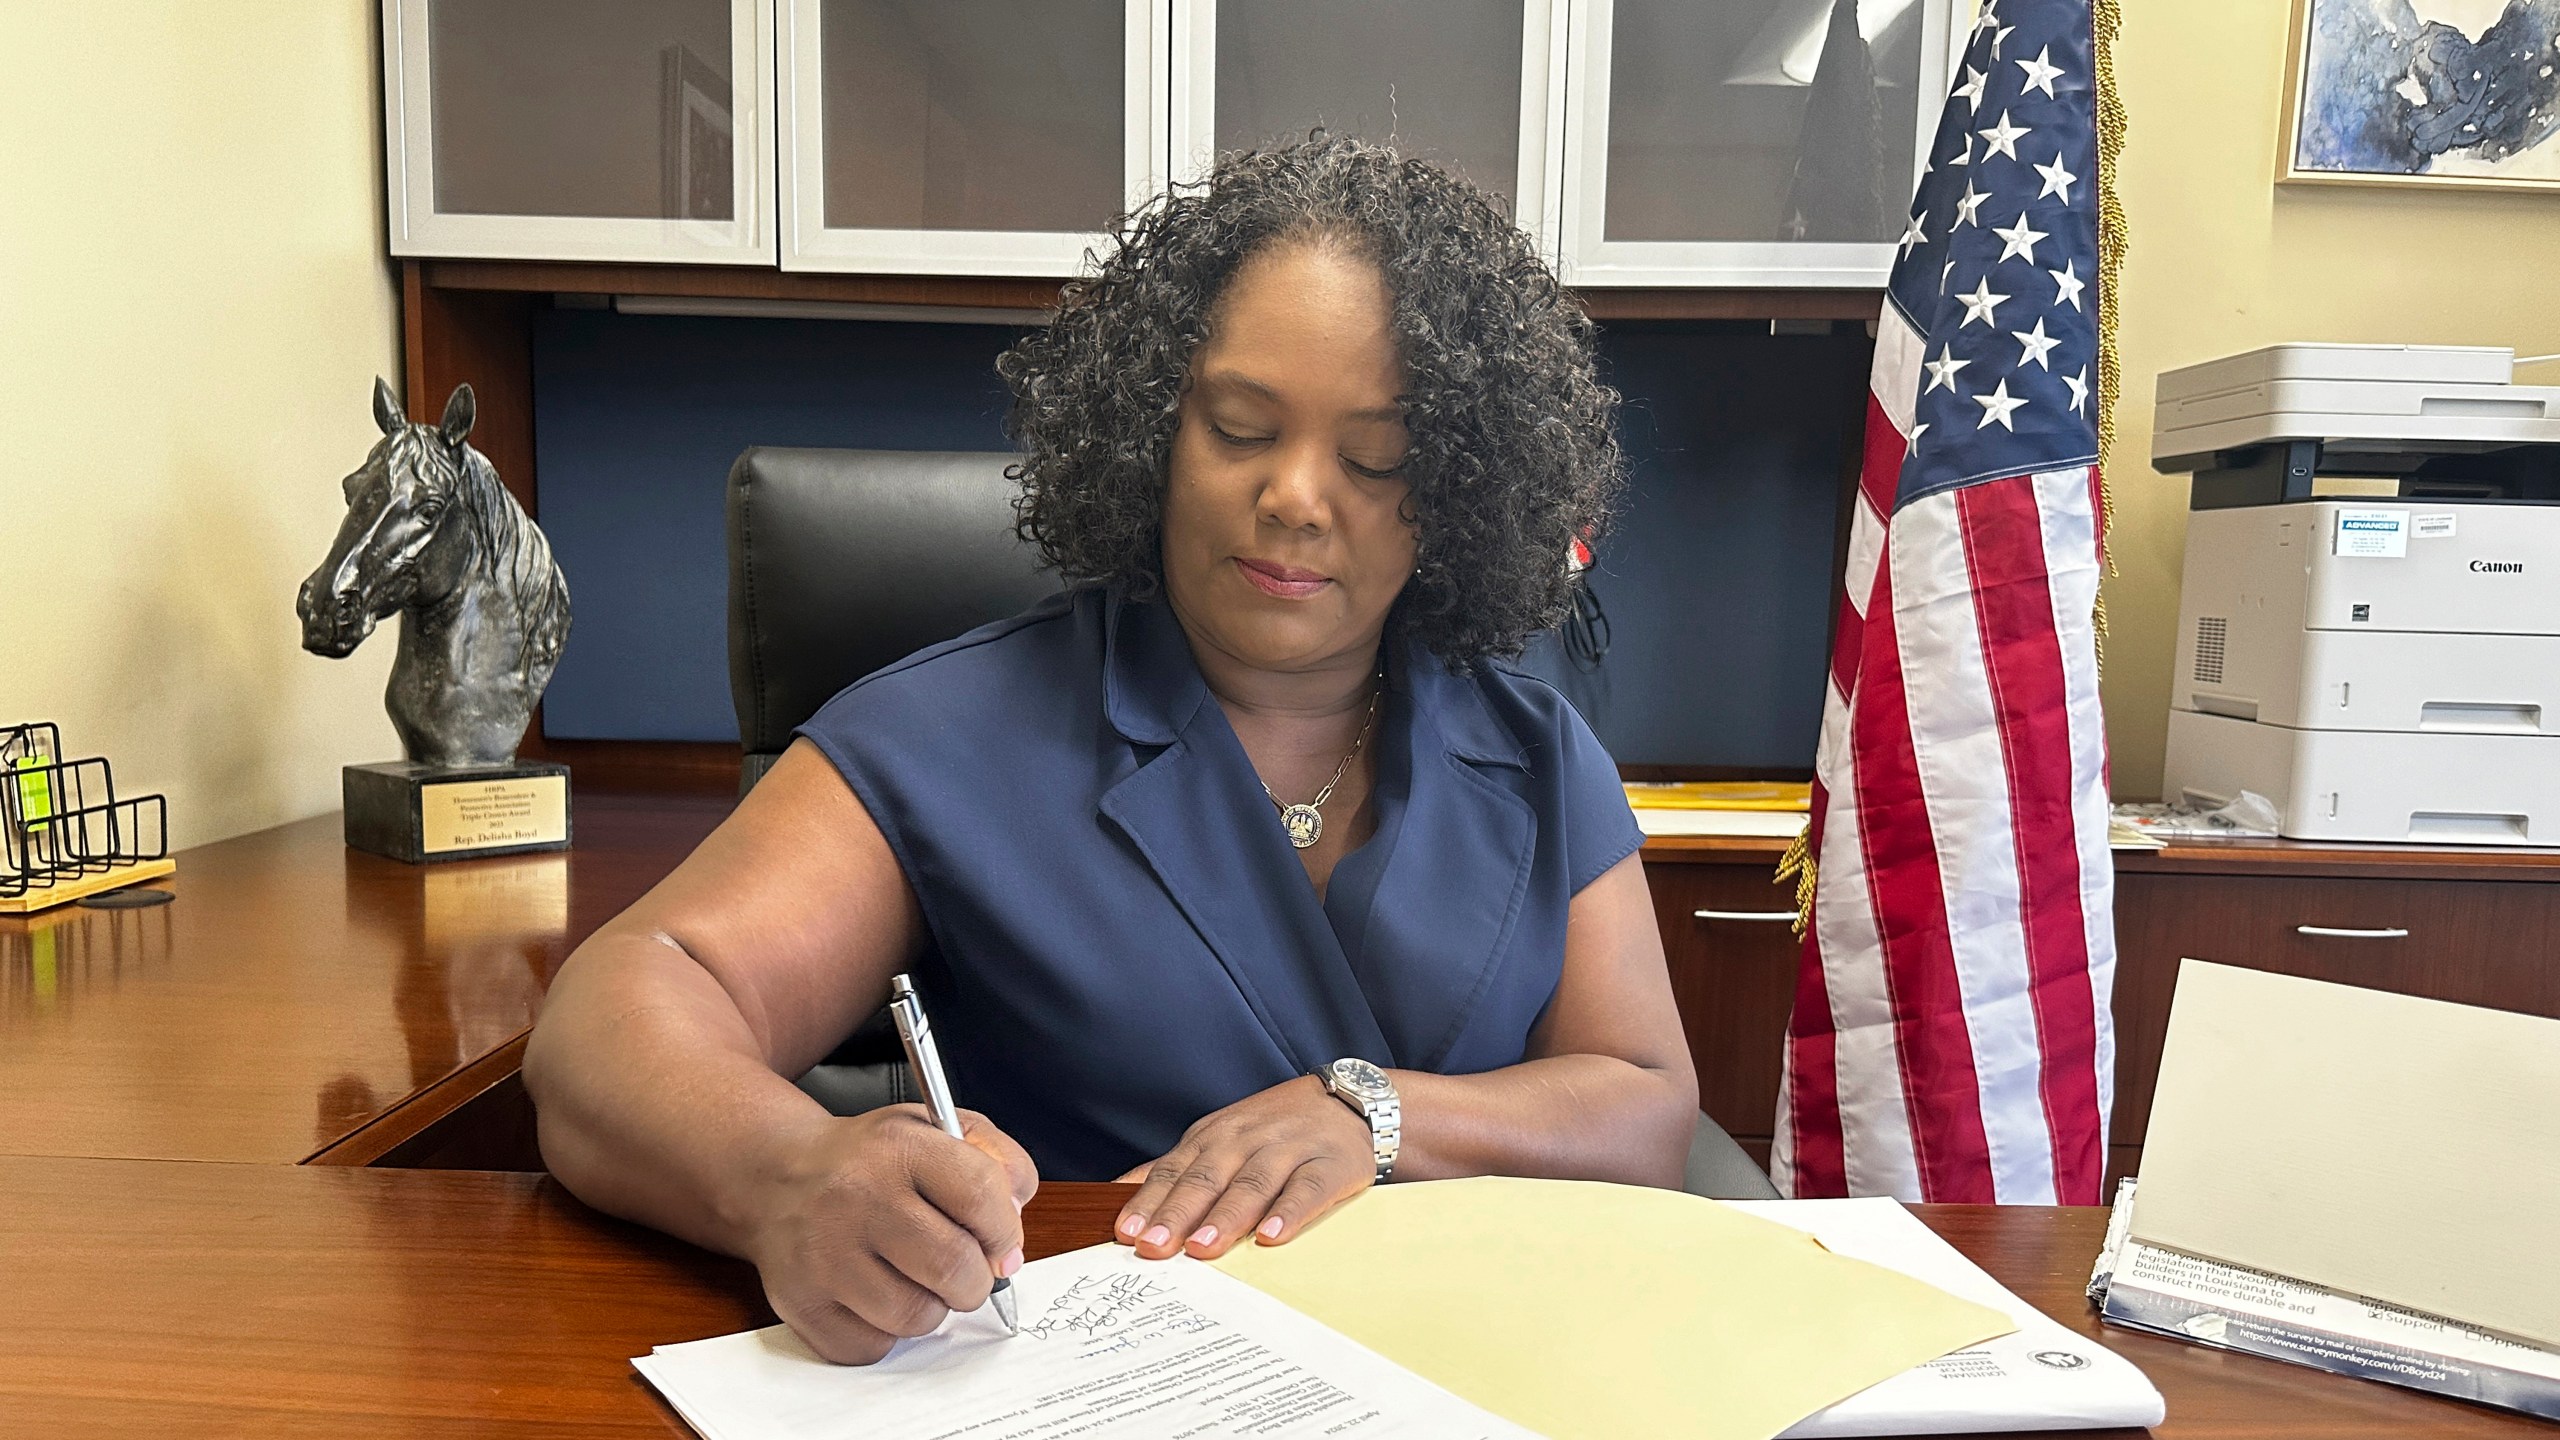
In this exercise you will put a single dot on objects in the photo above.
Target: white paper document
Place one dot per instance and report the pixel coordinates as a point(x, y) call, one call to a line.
point(1773, 824)
point(1111, 1346)
point(2038, 1377)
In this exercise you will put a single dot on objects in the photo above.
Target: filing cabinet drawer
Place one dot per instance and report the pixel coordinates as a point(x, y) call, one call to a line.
point(2475, 942)
point(1733, 975)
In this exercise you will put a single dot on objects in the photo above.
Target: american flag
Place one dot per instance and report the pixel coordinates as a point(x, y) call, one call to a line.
point(1951, 1038)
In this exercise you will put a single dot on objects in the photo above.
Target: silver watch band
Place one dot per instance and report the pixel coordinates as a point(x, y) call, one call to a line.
point(1386, 1133)
point(1385, 1115)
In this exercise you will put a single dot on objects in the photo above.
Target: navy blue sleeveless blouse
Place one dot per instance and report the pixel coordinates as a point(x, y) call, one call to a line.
point(1122, 939)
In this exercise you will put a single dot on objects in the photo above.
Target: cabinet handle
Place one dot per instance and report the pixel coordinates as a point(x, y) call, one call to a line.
point(1762, 916)
point(2393, 932)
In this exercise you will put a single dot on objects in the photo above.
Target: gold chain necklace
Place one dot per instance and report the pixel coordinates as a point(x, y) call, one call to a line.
point(1304, 822)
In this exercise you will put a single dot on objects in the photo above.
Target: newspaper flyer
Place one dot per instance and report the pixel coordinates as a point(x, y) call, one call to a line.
point(2233, 1307)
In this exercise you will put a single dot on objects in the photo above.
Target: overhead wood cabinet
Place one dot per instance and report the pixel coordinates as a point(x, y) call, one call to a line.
point(998, 137)
point(1700, 151)
point(1471, 85)
point(602, 130)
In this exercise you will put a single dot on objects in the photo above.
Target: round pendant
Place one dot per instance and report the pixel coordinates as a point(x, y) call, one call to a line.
point(1302, 822)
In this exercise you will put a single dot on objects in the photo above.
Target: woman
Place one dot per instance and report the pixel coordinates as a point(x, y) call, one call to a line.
point(1172, 854)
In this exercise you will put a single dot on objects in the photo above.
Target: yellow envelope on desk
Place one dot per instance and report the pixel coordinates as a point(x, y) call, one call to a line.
point(1610, 1311)
point(1796, 795)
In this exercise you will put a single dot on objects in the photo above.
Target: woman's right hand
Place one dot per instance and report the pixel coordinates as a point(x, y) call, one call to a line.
point(881, 1225)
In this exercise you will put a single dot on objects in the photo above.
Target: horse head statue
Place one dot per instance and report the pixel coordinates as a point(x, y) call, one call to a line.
point(431, 535)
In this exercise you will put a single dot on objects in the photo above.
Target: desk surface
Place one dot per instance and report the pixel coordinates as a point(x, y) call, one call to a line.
point(151, 1298)
point(297, 991)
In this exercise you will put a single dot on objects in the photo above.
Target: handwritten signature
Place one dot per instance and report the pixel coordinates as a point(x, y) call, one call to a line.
point(1182, 1322)
point(1115, 1314)
point(1093, 1304)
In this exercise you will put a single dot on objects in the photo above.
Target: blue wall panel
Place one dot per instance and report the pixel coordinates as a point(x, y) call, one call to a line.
point(1717, 580)
point(636, 419)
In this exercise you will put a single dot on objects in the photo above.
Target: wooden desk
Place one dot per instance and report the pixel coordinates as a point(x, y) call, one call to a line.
point(300, 997)
point(152, 1298)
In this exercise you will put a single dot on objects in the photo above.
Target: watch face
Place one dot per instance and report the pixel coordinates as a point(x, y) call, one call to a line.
point(1362, 1078)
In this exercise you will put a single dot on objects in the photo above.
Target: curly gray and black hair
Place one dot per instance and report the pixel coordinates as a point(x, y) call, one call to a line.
point(1512, 452)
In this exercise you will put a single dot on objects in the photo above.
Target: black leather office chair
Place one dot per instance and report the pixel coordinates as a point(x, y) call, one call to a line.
point(843, 561)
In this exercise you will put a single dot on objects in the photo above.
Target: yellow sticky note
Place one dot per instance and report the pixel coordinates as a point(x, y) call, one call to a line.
point(35, 794)
point(1580, 1309)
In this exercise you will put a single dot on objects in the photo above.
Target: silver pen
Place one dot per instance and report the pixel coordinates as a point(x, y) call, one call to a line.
point(916, 1032)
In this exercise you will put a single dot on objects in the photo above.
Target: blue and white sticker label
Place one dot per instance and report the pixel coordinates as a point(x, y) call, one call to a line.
point(2372, 532)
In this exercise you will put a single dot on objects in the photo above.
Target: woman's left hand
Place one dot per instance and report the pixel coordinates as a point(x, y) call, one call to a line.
point(1267, 1166)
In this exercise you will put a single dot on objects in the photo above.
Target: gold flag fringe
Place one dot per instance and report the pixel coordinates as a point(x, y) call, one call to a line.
point(2106, 18)
point(1797, 864)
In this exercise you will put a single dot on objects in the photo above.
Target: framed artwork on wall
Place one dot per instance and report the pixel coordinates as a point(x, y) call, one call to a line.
point(2424, 92)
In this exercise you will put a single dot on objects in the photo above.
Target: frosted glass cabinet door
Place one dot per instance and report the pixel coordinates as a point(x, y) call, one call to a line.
point(973, 137)
point(580, 129)
point(1465, 84)
point(1705, 144)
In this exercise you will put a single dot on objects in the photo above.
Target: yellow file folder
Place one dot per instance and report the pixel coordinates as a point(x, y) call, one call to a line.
point(1580, 1309)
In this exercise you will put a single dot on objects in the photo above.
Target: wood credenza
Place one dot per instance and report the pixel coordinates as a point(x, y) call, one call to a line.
point(2475, 926)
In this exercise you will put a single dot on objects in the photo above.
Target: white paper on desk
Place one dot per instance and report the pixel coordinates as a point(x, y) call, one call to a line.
point(2038, 1377)
point(1111, 1346)
point(1770, 824)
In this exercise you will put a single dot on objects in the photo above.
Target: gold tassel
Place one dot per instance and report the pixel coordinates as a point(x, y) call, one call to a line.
point(1798, 863)
point(2106, 18)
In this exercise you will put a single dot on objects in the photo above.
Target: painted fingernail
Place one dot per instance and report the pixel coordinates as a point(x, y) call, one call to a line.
point(1011, 1262)
point(1130, 1225)
point(1159, 1236)
point(1269, 1229)
point(1205, 1235)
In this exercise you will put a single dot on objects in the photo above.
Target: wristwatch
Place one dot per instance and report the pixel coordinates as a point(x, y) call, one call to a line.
point(1365, 1088)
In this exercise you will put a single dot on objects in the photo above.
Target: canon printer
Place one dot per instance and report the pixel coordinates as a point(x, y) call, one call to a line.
point(2369, 628)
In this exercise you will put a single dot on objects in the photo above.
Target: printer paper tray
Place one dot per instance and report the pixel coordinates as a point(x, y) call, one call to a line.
point(2374, 785)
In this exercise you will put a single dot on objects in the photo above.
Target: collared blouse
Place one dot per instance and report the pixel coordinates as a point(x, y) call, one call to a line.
point(1122, 939)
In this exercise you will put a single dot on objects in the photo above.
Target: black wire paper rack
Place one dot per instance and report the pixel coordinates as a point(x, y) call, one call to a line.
point(64, 832)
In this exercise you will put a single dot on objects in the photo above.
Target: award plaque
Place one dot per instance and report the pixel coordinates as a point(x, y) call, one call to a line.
point(419, 813)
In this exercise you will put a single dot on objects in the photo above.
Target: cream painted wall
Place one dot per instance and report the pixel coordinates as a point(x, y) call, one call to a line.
point(193, 305)
point(2223, 259)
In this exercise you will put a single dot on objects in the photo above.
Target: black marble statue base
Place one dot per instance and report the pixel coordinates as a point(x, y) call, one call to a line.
point(420, 813)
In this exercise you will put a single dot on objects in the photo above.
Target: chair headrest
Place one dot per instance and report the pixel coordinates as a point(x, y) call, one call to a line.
point(844, 561)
